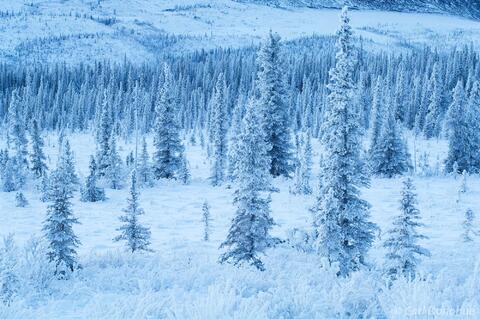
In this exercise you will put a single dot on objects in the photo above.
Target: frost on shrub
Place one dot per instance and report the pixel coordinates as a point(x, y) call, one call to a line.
point(8, 265)
point(300, 239)
point(20, 200)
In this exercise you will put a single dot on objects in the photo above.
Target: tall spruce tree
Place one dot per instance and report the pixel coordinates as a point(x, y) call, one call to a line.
point(341, 217)
point(458, 133)
point(272, 102)
point(37, 158)
point(168, 146)
point(115, 170)
point(91, 192)
point(136, 235)
point(377, 118)
point(58, 226)
point(303, 172)
point(390, 156)
point(248, 235)
point(473, 125)
point(402, 242)
point(434, 112)
point(219, 133)
point(145, 174)
point(104, 133)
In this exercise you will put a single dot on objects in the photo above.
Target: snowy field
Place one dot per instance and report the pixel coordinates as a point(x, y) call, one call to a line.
point(182, 279)
point(80, 30)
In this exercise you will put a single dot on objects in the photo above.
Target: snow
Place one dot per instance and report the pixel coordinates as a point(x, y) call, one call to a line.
point(182, 278)
point(73, 31)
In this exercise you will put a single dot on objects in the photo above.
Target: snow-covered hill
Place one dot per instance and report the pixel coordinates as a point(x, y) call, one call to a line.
point(81, 30)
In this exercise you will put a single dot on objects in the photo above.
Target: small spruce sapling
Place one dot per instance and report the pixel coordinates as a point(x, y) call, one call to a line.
point(206, 221)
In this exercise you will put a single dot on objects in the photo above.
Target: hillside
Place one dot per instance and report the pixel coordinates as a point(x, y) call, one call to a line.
point(141, 30)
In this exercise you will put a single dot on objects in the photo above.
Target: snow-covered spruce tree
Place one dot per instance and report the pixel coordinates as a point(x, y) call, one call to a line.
point(433, 118)
point(219, 133)
point(390, 156)
point(206, 221)
point(402, 240)
point(16, 131)
point(272, 103)
point(68, 164)
point(115, 170)
point(468, 231)
point(184, 174)
point(37, 157)
point(341, 217)
point(8, 182)
point(248, 235)
point(136, 235)
point(20, 200)
point(458, 133)
point(45, 188)
point(473, 124)
point(234, 132)
point(58, 226)
point(145, 174)
point(377, 117)
point(104, 133)
point(168, 147)
point(90, 191)
point(303, 172)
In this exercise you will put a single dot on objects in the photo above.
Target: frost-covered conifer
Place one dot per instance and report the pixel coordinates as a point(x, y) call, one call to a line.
point(303, 171)
point(433, 118)
point(115, 169)
point(458, 133)
point(468, 231)
point(145, 173)
point(8, 182)
point(473, 125)
point(377, 117)
point(68, 164)
point(218, 133)
point(402, 240)
point(20, 200)
point(16, 131)
point(234, 133)
point(44, 188)
point(248, 235)
point(390, 157)
point(206, 221)
point(37, 158)
point(341, 217)
point(184, 174)
point(273, 104)
point(136, 235)
point(90, 191)
point(58, 226)
point(104, 133)
point(168, 147)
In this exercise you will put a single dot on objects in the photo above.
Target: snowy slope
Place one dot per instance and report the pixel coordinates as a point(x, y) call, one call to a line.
point(80, 30)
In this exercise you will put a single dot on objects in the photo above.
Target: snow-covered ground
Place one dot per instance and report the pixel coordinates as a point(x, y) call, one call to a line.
point(80, 30)
point(182, 278)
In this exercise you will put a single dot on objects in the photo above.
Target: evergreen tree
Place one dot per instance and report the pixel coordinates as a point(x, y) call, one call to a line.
point(136, 235)
point(433, 118)
point(248, 235)
point(16, 131)
point(206, 221)
point(340, 215)
point(303, 172)
point(58, 226)
point(20, 200)
point(8, 183)
point(90, 192)
point(184, 174)
point(468, 231)
point(274, 107)
point(104, 134)
point(145, 174)
point(45, 188)
point(458, 133)
point(473, 125)
point(115, 171)
point(234, 133)
point(377, 117)
point(402, 242)
point(390, 156)
point(9, 283)
point(37, 157)
point(219, 133)
point(168, 147)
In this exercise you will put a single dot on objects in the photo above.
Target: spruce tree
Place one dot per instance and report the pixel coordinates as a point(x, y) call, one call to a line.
point(145, 174)
point(115, 169)
point(303, 172)
point(206, 221)
point(184, 174)
point(377, 117)
point(90, 192)
point(20, 200)
point(473, 126)
point(458, 133)
point(136, 235)
point(272, 103)
point(68, 164)
point(37, 158)
point(248, 235)
point(104, 133)
point(234, 133)
point(468, 231)
point(8, 182)
point(168, 147)
point(341, 217)
point(9, 281)
point(219, 133)
point(58, 226)
point(433, 118)
point(402, 241)
point(390, 156)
